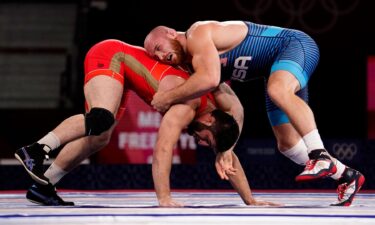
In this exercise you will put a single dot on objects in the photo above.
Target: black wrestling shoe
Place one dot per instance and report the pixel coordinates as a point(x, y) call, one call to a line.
point(350, 183)
point(32, 157)
point(45, 195)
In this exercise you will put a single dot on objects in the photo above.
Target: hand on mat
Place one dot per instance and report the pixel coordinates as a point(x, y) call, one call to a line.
point(263, 203)
point(169, 202)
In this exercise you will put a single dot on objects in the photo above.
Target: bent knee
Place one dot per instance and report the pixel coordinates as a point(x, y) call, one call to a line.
point(280, 93)
point(98, 120)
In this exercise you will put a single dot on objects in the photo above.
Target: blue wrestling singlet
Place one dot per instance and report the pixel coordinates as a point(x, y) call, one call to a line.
point(267, 49)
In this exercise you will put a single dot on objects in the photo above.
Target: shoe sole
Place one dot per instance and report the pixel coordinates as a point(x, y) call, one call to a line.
point(323, 174)
point(41, 203)
point(36, 202)
point(33, 176)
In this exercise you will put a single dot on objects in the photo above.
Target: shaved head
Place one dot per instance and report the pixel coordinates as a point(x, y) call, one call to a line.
point(154, 35)
point(162, 44)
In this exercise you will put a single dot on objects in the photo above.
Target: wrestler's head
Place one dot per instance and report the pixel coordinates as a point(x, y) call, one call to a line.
point(162, 44)
point(217, 130)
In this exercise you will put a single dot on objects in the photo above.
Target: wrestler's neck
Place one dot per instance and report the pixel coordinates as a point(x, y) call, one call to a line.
point(204, 117)
point(207, 111)
point(181, 38)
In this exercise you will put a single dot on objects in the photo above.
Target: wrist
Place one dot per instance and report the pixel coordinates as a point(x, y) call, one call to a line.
point(164, 197)
point(170, 97)
point(250, 201)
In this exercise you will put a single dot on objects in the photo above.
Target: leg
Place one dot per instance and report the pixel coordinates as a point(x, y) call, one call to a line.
point(289, 77)
point(32, 156)
point(69, 157)
point(282, 88)
point(101, 92)
point(290, 143)
point(76, 151)
point(104, 92)
point(292, 146)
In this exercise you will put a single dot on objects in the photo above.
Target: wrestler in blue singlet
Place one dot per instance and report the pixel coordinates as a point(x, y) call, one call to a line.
point(267, 49)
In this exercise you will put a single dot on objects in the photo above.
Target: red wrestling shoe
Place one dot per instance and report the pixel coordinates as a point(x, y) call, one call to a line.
point(318, 166)
point(350, 183)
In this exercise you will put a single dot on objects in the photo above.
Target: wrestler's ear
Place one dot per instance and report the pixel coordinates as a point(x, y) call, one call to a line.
point(171, 33)
point(207, 120)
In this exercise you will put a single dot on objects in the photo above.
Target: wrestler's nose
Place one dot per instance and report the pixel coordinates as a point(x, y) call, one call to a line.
point(159, 55)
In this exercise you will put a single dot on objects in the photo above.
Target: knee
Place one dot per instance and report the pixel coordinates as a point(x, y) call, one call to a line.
point(274, 91)
point(98, 120)
point(279, 93)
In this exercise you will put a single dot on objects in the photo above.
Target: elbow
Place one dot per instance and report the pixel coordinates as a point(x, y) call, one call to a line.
point(212, 81)
point(239, 112)
point(241, 117)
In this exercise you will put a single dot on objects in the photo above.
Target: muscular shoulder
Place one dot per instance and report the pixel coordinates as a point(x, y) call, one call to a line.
point(212, 25)
point(202, 26)
point(223, 35)
point(199, 35)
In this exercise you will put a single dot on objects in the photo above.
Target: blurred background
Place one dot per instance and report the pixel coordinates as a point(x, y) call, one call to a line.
point(43, 45)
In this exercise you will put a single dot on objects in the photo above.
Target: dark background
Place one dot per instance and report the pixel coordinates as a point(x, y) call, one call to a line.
point(343, 30)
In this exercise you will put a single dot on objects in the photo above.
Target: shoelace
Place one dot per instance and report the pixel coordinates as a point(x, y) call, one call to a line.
point(310, 164)
point(341, 191)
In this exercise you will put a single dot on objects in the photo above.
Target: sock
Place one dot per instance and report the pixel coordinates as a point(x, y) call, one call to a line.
point(51, 141)
point(313, 141)
point(54, 173)
point(298, 153)
point(340, 169)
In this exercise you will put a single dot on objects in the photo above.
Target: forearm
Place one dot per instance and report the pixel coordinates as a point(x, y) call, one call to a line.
point(240, 182)
point(161, 168)
point(176, 118)
point(196, 86)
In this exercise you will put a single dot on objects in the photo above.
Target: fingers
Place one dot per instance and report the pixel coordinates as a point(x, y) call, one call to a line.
point(221, 172)
point(224, 172)
point(161, 108)
point(170, 204)
point(228, 168)
point(266, 203)
point(231, 171)
point(160, 102)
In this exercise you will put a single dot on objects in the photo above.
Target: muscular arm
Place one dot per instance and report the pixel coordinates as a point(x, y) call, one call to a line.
point(240, 183)
point(228, 101)
point(206, 64)
point(173, 122)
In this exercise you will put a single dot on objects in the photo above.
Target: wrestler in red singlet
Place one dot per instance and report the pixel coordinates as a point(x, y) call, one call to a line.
point(133, 68)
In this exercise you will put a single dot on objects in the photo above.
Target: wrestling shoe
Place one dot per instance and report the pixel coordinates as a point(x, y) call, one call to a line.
point(349, 184)
point(32, 157)
point(319, 165)
point(45, 195)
